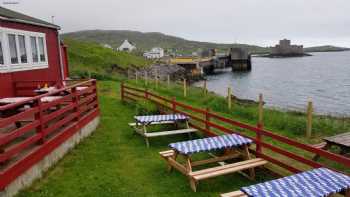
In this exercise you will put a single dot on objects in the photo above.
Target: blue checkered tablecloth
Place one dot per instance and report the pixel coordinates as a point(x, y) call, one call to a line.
point(160, 118)
point(210, 144)
point(320, 182)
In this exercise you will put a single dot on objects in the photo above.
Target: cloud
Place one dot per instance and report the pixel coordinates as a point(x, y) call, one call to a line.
point(260, 22)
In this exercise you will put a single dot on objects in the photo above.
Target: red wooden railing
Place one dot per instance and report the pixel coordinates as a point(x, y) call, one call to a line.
point(212, 122)
point(43, 126)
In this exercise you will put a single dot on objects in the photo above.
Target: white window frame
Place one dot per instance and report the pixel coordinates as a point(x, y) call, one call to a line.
point(30, 65)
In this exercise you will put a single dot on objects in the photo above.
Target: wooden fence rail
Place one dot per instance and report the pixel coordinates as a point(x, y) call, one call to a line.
point(213, 120)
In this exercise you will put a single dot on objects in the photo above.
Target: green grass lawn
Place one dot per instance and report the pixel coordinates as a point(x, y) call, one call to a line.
point(114, 162)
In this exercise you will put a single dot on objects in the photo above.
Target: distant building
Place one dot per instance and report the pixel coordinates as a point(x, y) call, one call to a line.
point(127, 46)
point(154, 53)
point(107, 46)
point(285, 48)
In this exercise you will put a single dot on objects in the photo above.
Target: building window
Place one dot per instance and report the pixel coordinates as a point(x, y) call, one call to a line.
point(1, 53)
point(41, 49)
point(22, 49)
point(34, 49)
point(13, 48)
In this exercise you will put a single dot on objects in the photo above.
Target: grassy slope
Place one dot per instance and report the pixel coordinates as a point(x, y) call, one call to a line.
point(87, 57)
point(114, 162)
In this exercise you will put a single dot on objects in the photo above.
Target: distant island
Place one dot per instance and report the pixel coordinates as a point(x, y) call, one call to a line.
point(326, 48)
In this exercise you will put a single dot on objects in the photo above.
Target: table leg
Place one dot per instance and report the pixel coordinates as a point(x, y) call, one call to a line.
point(146, 138)
point(248, 157)
point(193, 183)
point(170, 167)
point(187, 127)
point(347, 193)
point(344, 150)
point(327, 147)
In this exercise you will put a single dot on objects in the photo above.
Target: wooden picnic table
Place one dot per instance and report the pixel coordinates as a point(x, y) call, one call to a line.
point(45, 90)
point(341, 140)
point(143, 122)
point(12, 100)
point(233, 146)
point(319, 182)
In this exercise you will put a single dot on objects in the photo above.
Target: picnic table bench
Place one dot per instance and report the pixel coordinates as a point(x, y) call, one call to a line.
point(234, 146)
point(342, 141)
point(12, 100)
point(142, 122)
point(320, 182)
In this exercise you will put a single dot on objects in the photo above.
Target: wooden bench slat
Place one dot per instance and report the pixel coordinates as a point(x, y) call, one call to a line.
point(215, 159)
point(172, 132)
point(168, 153)
point(226, 169)
point(320, 145)
point(133, 124)
point(245, 162)
point(234, 194)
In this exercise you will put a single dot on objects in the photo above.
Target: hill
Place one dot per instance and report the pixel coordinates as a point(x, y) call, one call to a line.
point(145, 41)
point(86, 58)
point(326, 48)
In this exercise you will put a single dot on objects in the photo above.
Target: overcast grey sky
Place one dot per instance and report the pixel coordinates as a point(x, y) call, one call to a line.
point(261, 22)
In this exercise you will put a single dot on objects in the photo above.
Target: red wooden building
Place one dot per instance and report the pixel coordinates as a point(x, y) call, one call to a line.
point(30, 49)
point(37, 128)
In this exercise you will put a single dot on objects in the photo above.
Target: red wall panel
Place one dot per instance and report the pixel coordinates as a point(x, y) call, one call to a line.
point(52, 73)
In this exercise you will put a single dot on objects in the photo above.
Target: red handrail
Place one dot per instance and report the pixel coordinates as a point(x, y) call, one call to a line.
point(53, 122)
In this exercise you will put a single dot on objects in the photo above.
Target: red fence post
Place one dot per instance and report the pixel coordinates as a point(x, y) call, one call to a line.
point(146, 94)
point(258, 140)
point(94, 84)
point(39, 117)
point(76, 103)
point(173, 104)
point(207, 119)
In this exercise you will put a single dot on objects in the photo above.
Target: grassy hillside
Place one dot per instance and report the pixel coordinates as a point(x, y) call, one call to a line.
point(145, 41)
point(87, 58)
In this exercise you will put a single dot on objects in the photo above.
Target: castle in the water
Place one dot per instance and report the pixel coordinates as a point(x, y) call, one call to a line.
point(284, 48)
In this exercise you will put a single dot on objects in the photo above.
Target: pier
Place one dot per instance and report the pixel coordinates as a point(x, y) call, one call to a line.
point(237, 58)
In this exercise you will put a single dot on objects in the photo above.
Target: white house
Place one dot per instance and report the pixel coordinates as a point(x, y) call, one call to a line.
point(127, 46)
point(107, 46)
point(154, 53)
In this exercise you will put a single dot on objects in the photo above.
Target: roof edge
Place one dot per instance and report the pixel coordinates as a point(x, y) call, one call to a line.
point(31, 23)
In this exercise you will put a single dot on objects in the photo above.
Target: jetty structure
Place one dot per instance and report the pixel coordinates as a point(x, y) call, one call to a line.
point(43, 114)
point(237, 58)
point(286, 49)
